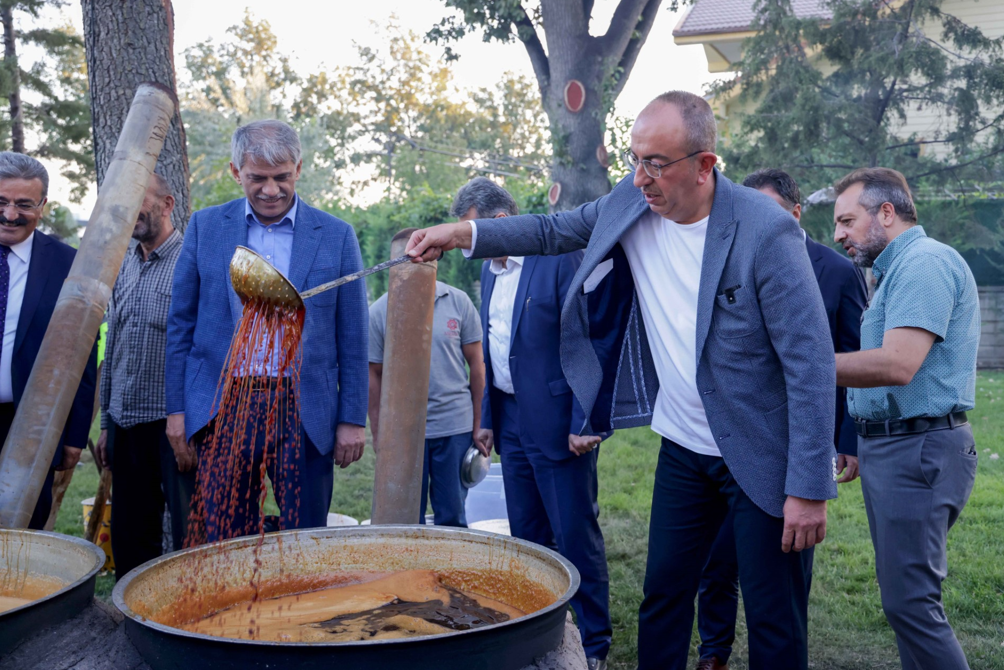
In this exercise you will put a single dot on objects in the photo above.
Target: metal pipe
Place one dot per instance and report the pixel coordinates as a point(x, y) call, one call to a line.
point(404, 394)
point(45, 405)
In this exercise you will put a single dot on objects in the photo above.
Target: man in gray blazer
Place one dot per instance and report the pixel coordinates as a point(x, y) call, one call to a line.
point(714, 332)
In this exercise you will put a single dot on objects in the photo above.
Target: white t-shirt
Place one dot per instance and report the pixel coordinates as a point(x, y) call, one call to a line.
point(665, 259)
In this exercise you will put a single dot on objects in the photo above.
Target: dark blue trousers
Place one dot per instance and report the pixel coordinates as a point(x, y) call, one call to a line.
point(718, 595)
point(693, 495)
point(553, 503)
point(302, 478)
point(441, 480)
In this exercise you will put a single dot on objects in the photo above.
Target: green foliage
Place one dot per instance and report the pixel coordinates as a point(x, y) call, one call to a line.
point(829, 96)
point(55, 110)
point(394, 123)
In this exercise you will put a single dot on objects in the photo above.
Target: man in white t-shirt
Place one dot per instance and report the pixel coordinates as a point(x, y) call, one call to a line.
point(713, 331)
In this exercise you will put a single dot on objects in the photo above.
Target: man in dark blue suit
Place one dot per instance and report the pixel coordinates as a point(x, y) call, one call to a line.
point(531, 416)
point(845, 299)
point(309, 247)
point(33, 266)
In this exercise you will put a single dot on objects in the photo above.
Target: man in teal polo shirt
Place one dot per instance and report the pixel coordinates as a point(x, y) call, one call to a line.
point(909, 389)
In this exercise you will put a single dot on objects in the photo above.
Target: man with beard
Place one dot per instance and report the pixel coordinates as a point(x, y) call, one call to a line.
point(713, 332)
point(33, 266)
point(909, 389)
point(145, 470)
point(309, 247)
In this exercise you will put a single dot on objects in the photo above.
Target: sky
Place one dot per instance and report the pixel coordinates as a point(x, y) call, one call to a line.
point(316, 33)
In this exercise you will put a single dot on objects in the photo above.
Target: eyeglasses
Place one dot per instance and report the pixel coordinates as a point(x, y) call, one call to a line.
point(652, 169)
point(22, 206)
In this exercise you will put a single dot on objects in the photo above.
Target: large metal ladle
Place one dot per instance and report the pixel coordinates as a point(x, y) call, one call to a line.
point(254, 278)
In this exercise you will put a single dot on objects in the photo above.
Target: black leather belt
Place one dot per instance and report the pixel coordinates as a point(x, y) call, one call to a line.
point(920, 424)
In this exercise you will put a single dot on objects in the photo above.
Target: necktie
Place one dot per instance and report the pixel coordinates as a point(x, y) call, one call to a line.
point(4, 289)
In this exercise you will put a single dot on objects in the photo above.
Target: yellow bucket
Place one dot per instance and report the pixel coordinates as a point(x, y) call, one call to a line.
point(104, 532)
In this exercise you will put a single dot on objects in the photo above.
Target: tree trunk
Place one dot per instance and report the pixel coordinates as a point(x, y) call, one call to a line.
point(575, 137)
point(130, 42)
point(10, 60)
point(601, 64)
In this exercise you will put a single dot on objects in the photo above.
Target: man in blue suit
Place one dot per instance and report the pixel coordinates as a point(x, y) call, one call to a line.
point(532, 418)
point(309, 247)
point(845, 299)
point(33, 267)
point(715, 334)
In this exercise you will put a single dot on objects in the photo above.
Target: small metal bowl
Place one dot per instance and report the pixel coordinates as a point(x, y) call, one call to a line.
point(474, 468)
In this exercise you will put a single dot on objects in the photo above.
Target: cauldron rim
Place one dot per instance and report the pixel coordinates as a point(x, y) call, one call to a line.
point(97, 553)
point(118, 594)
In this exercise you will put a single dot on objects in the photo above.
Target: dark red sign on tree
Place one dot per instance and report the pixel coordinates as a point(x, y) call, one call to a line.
point(575, 96)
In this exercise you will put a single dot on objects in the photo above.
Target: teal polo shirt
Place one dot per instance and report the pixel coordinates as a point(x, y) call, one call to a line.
point(922, 283)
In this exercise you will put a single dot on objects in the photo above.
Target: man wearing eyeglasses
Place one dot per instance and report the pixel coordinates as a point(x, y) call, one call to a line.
point(716, 336)
point(33, 266)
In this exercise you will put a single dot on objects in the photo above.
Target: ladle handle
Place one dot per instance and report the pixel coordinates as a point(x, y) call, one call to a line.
point(354, 276)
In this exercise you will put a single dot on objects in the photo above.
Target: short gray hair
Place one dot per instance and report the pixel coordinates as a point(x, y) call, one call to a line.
point(486, 197)
point(881, 185)
point(268, 141)
point(698, 118)
point(19, 166)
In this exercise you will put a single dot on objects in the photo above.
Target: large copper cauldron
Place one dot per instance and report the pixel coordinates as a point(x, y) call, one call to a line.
point(69, 561)
point(158, 586)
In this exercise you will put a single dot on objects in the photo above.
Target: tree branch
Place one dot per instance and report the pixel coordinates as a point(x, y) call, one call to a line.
point(527, 34)
point(821, 166)
point(622, 26)
point(633, 47)
point(998, 150)
point(587, 11)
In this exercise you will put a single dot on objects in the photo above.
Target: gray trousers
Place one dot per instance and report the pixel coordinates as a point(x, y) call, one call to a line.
point(915, 486)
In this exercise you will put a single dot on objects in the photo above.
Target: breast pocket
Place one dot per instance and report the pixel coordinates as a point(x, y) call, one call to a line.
point(736, 313)
point(158, 308)
point(317, 277)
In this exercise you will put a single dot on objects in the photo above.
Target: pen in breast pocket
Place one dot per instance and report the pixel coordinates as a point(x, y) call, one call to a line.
point(528, 303)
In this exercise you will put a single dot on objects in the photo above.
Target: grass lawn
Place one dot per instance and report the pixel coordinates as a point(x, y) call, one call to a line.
point(847, 629)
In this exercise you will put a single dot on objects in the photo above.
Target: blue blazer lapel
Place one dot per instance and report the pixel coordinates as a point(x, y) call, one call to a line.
point(234, 232)
point(721, 231)
point(306, 238)
point(529, 262)
point(38, 276)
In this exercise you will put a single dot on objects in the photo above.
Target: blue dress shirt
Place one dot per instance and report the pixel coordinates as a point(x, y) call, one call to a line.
point(924, 284)
point(274, 242)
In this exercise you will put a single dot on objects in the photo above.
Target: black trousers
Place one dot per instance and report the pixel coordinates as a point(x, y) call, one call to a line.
point(718, 596)
point(145, 476)
point(693, 496)
point(44, 504)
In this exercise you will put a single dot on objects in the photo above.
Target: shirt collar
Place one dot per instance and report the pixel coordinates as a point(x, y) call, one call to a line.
point(441, 290)
point(894, 248)
point(173, 240)
point(23, 249)
point(511, 264)
point(251, 217)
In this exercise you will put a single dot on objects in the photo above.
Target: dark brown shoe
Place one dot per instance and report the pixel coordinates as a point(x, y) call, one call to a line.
point(711, 663)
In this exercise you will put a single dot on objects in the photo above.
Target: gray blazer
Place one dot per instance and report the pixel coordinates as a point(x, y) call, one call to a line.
point(765, 360)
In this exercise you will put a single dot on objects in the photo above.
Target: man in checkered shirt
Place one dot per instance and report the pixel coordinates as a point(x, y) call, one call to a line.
point(146, 473)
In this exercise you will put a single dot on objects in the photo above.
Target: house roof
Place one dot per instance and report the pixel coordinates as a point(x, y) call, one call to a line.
point(708, 17)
